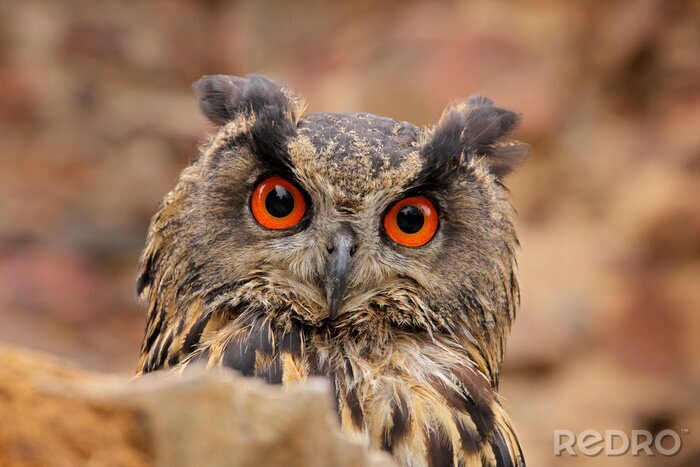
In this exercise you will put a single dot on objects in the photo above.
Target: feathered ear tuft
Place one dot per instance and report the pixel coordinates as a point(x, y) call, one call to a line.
point(471, 129)
point(222, 98)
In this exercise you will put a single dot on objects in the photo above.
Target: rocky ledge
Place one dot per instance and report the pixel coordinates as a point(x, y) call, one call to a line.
point(54, 413)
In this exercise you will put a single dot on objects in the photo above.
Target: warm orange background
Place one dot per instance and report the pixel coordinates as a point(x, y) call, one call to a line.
point(97, 119)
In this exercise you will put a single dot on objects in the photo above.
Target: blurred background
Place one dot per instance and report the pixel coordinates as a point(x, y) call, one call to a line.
point(97, 119)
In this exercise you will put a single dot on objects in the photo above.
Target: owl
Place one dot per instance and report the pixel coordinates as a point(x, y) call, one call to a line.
point(366, 250)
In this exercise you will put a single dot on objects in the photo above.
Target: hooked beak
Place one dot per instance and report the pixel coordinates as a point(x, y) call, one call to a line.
point(342, 248)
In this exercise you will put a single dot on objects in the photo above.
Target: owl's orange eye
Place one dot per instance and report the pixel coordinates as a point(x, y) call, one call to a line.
point(412, 221)
point(277, 203)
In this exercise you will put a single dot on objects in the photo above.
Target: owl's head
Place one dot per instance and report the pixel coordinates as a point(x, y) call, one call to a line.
point(358, 225)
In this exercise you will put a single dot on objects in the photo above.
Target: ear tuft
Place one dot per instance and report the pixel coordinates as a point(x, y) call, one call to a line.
point(222, 98)
point(476, 128)
point(506, 157)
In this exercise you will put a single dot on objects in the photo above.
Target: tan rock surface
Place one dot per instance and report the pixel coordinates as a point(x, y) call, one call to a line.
point(55, 414)
point(47, 421)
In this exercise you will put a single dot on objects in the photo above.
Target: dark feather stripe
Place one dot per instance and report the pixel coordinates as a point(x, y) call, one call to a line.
point(481, 414)
point(357, 415)
point(145, 279)
point(478, 399)
point(350, 397)
point(501, 451)
point(477, 387)
point(174, 359)
point(270, 135)
point(150, 363)
point(440, 453)
point(194, 334)
point(401, 424)
point(153, 327)
point(292, 340)
point(240, 355)
point(441, 154)
point(470, 440)
point(150, 346)
point(260, 338)
point(314, 365)
point(164, 350)
point(482, 419)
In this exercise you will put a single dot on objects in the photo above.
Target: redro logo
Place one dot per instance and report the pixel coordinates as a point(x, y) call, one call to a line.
point(616, 443)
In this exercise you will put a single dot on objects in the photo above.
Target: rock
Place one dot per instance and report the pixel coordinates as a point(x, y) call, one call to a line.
point(57, 414)
point(47, 421)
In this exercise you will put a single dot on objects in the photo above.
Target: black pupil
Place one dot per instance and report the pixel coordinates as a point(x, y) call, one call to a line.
point(279, 202)
point(410, 219)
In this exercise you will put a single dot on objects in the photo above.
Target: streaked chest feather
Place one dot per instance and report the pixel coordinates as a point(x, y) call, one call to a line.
point(419, 397)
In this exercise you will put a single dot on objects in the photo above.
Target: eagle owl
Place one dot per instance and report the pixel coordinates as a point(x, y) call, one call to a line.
point(351, 246)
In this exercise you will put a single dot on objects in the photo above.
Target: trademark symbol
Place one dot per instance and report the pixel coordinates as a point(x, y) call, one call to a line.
point(685, 431)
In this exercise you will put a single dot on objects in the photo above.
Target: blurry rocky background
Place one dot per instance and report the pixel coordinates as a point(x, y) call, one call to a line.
point(97, 119)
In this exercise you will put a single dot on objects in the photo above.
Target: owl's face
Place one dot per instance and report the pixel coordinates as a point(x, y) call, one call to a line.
point(357, 223)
